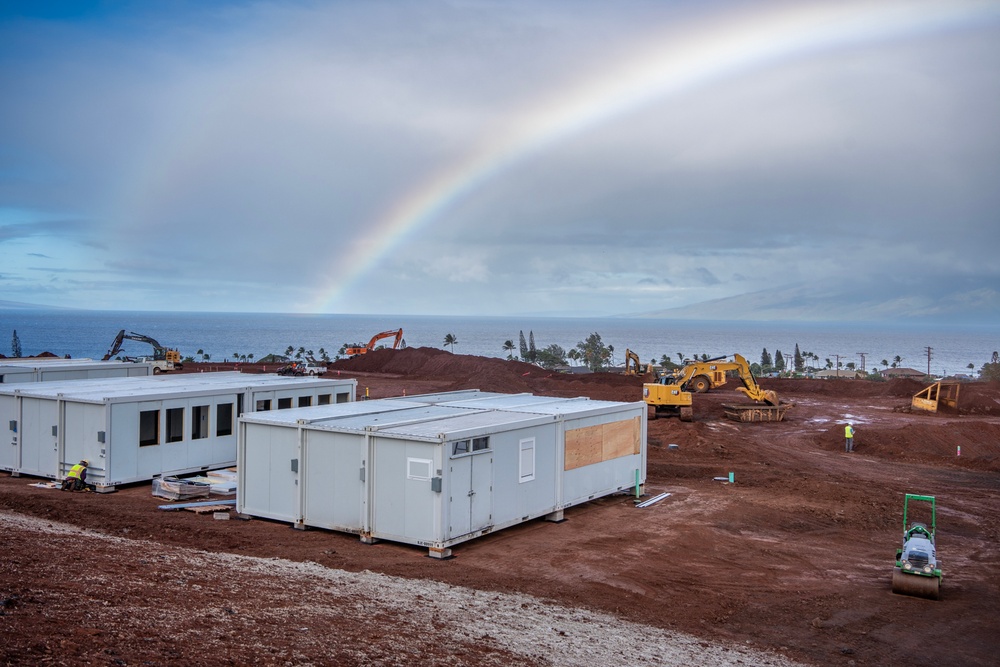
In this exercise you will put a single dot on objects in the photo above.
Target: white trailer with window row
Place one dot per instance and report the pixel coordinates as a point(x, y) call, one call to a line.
point(135, 429)
point(440, 469)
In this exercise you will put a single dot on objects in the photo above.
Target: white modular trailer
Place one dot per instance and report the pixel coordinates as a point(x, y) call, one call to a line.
point(439, 473)
point(54, 369)
point(135, 429)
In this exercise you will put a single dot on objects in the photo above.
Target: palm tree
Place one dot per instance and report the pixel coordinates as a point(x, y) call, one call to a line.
point(680, 357)
point(450, 339)
point(206, 357)
point(299, 352)
point(289, 351)
point(250, 356)
point(897, 361)
point(509, 347)
point(573, 355)
point(885, 362)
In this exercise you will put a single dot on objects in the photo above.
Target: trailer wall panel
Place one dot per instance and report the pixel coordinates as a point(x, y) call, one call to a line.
point(332, 471)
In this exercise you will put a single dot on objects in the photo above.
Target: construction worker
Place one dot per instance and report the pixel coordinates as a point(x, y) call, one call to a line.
point(849, 437)
point(76, 478)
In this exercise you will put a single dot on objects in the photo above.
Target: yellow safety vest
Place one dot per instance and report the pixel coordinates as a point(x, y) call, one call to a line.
point(848, 432)
point(75, 471)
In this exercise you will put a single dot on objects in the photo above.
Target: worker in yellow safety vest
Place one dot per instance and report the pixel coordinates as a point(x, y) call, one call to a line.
point(76, 478)
point(849, 438)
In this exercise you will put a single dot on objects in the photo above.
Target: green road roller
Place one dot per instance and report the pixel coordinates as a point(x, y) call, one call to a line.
point(918, 571)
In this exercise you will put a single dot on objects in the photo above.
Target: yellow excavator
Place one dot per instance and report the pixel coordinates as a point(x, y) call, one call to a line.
point(671, 396)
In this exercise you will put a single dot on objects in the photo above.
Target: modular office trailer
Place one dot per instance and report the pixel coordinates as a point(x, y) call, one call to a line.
point(53, 369)
point(438, 470)
point(135, 429)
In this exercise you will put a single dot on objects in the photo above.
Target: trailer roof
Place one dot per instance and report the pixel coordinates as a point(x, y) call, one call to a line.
point(319, 414)
point(56, 363)
point(468, 423)
point(424, 417)
point(123, 389)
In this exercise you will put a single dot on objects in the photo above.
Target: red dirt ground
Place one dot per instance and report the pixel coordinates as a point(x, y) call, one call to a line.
point(795, 558)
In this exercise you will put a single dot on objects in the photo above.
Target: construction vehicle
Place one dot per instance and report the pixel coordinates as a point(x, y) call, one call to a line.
point(918, 571)
point(295, 368)
point(671, 395)
point(632, 364)
point(929, 399)
point(397, 343)
point(163, 359)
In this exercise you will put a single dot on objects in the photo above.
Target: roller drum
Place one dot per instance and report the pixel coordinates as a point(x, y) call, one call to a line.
point(916, 585)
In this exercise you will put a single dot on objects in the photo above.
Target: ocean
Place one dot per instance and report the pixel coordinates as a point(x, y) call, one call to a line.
point(89, 334)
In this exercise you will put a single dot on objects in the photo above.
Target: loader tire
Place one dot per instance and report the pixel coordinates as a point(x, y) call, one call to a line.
point(700, 384)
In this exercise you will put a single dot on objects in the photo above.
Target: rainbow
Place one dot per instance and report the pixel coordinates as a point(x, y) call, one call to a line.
point(671, 66)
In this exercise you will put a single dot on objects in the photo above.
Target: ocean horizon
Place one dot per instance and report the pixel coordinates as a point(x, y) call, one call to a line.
point(221, 336)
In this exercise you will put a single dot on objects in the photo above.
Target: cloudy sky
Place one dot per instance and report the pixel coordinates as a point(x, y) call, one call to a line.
point(774, 159)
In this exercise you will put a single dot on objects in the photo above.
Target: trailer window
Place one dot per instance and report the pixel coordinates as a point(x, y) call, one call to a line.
point(479, 444)
point(199, 422)
point(149, 428)
point(223, 419)
point(460, 447)
point(323, 399)
point(263, 405)
point(175, 424)
point(284, 403)
point(344, 397)
point(305, 401)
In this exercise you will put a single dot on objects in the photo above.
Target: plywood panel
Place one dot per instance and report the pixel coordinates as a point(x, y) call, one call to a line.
point(594, 444)
point(621, 439)
point(584, 446)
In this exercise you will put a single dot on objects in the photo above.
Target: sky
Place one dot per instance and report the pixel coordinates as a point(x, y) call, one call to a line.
point(710, 159)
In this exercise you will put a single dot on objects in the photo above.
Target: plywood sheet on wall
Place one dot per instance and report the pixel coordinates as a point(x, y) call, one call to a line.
point(594, 444)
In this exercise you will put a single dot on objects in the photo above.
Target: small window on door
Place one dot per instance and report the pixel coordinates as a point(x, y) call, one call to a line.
point(460, 447)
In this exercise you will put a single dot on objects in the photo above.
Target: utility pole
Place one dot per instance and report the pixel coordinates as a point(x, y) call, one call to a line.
point(838, 364)
point(929, 359)
point(862, 355)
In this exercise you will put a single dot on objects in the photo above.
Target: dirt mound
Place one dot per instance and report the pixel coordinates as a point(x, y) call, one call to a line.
point(901, 387)
point(491, 374)
point(979, 398)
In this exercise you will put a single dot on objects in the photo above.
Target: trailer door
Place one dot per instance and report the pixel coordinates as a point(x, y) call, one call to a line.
point(470, 501)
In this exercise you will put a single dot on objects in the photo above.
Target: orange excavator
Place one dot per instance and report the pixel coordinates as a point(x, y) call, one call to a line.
point(398, 343)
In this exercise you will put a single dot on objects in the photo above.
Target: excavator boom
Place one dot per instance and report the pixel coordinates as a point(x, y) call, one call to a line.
point(164, 359)
point(396, 334)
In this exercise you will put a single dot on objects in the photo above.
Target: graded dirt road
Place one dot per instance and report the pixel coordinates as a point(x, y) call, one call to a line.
point(791, 564)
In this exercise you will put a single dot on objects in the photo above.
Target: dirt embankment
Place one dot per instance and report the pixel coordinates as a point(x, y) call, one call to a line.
point(793, 561)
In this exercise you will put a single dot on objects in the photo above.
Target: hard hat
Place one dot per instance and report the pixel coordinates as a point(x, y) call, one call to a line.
point(84, 462)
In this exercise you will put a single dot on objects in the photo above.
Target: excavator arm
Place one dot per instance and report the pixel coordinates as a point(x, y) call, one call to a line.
point(160, 353)
point(750, 386)
point(398, 343)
